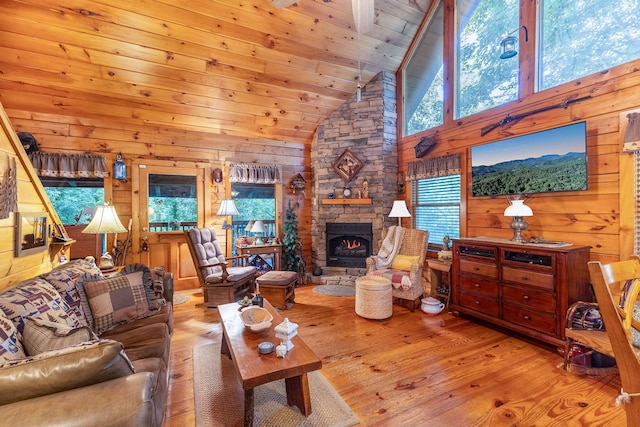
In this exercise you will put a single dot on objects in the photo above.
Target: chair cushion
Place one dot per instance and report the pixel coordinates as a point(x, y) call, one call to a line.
point(207, 248)
point(398, 278)
point(236, 274)
point(404, 262)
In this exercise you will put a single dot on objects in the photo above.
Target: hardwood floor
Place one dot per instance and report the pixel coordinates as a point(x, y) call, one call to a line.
point(416, 369)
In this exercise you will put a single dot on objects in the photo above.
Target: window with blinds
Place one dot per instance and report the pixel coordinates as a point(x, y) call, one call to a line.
point(435, 205)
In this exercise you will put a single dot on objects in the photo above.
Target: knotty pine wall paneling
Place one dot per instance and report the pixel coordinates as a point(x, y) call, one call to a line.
point(593, 217)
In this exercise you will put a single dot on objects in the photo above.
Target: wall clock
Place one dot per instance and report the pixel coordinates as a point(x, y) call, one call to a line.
point(347, 165)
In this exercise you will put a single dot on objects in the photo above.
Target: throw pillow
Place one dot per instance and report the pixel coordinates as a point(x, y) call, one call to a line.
point(39, 298)
point(157, 281)
point(10, 345)
point(147, 282)
point(404, 262)
point(54, 371)
point(41, 335)
point(115, 300)
point(260, 264)
point(65, 277)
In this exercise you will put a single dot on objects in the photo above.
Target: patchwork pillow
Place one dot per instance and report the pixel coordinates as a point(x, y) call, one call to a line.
point(404, 262)
point(41, 335)
point(65, 277)
point(37, 298)
point(54, 371)
point(115, 300)
point(10, 346)
point(147, 281)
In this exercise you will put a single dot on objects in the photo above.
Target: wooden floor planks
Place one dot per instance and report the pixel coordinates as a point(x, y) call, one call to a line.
point(416, 369)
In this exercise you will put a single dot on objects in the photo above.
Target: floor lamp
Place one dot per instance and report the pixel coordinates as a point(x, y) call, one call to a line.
point(399, 210)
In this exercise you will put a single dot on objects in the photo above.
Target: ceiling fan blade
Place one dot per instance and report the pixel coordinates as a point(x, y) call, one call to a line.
point(281, 4)
point(363, 15)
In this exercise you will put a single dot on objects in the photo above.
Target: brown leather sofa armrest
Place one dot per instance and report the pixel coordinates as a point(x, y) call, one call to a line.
point(126, 401)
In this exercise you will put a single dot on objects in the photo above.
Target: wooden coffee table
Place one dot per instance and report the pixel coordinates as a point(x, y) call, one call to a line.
point(241, 345)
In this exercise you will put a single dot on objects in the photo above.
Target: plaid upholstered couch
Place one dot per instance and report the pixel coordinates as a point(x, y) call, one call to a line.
point(78, 348)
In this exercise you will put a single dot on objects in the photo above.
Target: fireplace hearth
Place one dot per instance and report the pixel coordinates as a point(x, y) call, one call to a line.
point(348, 244)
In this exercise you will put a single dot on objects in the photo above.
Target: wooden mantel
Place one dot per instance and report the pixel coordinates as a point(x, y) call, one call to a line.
point(346, 201)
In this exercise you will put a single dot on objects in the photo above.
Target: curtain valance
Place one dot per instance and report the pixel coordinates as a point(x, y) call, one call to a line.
point(433, 167)
point(254, 174)
point(62, 165)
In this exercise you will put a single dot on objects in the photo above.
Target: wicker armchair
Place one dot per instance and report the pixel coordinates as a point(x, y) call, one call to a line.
point(407, 283)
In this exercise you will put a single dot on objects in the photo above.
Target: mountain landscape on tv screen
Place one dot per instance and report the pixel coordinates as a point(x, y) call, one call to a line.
point(553, 172)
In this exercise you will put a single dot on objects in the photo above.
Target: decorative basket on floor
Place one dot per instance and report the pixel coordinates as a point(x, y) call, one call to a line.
point(373, 297)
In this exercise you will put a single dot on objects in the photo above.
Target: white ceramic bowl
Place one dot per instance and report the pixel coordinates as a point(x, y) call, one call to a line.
point(256, 318)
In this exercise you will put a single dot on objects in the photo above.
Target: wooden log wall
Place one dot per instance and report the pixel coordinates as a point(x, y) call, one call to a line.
point(601, 217)
point(168, 147)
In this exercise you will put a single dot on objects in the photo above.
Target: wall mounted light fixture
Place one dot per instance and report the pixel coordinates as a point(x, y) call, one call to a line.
point(217, 175)
point(120, 168)
point(509, 43)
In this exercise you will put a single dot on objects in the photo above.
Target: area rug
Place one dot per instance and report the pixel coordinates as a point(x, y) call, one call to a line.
point(336, 290)
point(180, 298)
point(219, 398)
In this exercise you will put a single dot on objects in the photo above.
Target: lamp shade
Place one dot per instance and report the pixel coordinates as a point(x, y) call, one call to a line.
point(105, 221)
point(399, 210)
point(258, 227)
point(518, 208)
point(227, 208)
point(249, 226)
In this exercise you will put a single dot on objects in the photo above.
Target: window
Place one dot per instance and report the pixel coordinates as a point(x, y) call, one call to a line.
point(484, 80)
point(74, 199)
point(173, 202)
point(436, 206)
point(577, 40)
point(254, 202)
point(423, 85)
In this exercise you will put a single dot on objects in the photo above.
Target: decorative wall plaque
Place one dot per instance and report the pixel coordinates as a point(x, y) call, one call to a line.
point(347, 165)
point(424, 146)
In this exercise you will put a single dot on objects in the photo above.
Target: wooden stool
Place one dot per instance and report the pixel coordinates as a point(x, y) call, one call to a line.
point(373, 297)
point(278, 287)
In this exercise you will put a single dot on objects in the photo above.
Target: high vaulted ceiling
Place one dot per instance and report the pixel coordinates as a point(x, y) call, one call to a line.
point(233, 67)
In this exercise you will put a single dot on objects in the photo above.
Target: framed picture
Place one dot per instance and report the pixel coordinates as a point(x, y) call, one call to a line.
point(347, 165)
point(62, 235)
point(31, 233)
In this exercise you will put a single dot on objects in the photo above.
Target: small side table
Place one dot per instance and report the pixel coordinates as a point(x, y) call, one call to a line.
point(440, 280)
point(275, 250)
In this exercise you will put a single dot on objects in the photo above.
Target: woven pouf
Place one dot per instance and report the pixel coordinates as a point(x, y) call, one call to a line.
point(373, 297)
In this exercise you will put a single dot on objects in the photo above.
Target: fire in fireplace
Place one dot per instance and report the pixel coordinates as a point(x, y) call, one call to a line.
point(348, 244)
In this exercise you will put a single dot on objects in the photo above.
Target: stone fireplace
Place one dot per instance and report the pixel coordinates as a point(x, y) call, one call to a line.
point(368, 130)
point(348, 244)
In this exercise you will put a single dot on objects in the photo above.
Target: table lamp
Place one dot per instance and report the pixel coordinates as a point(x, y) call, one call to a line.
point(517, 209)
point(399, 210)
point(105, 221)
point(259, 228)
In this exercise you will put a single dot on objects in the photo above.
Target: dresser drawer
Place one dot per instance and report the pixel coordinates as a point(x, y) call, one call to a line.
point(531, 319)
point(529, 297)
point(483, 304)
point(478, 285)
point(528, 277)
point(479, 268)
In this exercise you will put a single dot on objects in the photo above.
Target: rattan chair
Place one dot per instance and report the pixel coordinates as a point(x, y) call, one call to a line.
point(414, 243)
point(221, 283)
point(620, 323)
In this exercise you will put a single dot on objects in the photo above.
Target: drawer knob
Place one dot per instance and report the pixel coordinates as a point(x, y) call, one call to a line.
point(477, 302)
point(477, 285)
point(526, 297)
point(525, 317)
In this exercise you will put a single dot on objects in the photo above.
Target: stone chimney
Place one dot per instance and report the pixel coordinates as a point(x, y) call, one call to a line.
point(368, 129)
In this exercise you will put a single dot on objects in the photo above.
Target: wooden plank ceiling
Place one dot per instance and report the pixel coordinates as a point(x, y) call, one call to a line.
point(234, 67)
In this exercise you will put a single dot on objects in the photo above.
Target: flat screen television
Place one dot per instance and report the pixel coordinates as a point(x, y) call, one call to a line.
point(542, 162)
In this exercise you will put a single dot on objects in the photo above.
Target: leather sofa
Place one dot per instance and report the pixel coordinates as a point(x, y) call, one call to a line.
point(118, 377)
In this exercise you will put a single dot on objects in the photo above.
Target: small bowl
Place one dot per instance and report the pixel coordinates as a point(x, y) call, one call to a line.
point(265, 347)
point(256, 318)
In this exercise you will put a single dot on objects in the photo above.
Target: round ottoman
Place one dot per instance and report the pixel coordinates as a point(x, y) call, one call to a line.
point(373, 297)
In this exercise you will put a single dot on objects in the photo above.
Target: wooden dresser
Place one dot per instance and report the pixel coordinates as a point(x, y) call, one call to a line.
point(523, 287)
